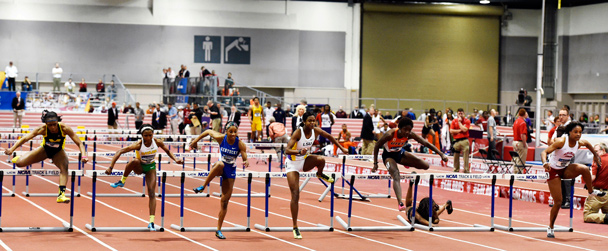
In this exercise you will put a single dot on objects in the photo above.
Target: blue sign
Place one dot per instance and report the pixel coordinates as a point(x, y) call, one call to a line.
point(237, 50)
point(6, 99)
point(207, 49)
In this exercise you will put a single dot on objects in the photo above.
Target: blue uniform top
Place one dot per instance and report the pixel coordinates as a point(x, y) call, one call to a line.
point(229, 152)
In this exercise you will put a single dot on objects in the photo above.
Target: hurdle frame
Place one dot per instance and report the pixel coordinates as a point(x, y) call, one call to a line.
point(93, 228)
point(67, 227)
point(347, 225)
point(248, 194)
point(26, 193)
point(318, 228)
point(359, 196)
point(556, 228)
point(235, 228)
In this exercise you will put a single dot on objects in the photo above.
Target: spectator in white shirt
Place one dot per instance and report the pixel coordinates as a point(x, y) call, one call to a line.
point(57, 71)
point(69, 86)
point(549, 121)
point(11, 74)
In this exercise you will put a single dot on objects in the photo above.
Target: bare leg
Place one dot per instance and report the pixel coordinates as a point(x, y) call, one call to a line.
point(133, 166)
point(393, 169)
point(293, 179)
point(227, 186)
point(555, 188)
point(409, 199)
point(217, 170)
point(411, 160)
point(34, 156)
point(151, 183)
point(61, 161)
point(574, 170)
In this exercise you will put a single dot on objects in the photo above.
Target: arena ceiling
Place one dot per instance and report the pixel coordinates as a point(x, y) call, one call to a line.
point(514, 4)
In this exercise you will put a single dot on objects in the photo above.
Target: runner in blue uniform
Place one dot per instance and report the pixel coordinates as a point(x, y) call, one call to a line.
point(230, 148)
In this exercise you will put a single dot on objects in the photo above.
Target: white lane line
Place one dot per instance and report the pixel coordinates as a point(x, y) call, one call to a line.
point(7, 248)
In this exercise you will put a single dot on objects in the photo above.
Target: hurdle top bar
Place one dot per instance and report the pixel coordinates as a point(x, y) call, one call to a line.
point(473, 176)
point(166, 143)
point(206, 173)
point(177, 155)
point(41, 172)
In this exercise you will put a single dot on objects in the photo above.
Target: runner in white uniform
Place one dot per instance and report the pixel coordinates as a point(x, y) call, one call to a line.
point(298, 160)
point(558, 166)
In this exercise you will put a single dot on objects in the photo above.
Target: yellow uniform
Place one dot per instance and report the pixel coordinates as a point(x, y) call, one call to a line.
point(256, 122)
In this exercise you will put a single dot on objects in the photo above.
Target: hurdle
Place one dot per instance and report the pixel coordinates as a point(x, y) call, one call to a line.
point(248, 194)
point(236, 228)
point(348, 226)
point(12, 192)
point(181, 194)
point(27, 193)
point(318, 228)
point(67, 227)
point(92, 226)
point(359, 196)
point(556, 228)
point(430, 227)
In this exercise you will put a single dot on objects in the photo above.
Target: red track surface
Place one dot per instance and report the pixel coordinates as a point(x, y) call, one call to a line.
point(469, 209)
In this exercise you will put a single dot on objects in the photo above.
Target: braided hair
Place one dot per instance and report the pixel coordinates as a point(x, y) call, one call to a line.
point(423, 209)
point(49, 116)
point(230, 124)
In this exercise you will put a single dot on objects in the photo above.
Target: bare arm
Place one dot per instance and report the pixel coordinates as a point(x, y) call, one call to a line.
point(216, 135)
point(162, 146)
point(558, 144)
point(77, 141)
point(422, 141)
point(26, 138)
point(386, 137)
point(596, 157)
point(132, 147)
point(243, 149)
point(292, 142)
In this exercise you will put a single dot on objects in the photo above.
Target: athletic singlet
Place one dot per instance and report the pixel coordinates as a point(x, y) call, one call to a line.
point(561, 157)
point(257, 113)
point(147, 154)
point(325, 121)
point(53, 141)
point(229, 152)
point(376, 121)
point(395, 143)
point(303, 143)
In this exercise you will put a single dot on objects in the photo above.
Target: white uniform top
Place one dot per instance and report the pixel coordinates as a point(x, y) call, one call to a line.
point(303, 143)
point(147, 155)
point(325, 120)
point(376, 122)
point(561, 157)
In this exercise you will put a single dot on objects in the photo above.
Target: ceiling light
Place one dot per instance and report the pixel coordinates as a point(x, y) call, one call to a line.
point(484, 1)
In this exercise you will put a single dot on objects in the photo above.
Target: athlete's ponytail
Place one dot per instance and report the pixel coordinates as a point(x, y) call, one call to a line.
point(49, 116)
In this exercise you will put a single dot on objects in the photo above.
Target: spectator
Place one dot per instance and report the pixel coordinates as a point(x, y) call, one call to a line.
point(411, 114)
point(399, 115)
point(229, 82)
point(11, 73)
point(593, 204)
point(268, 113)
point(482, 121)
point(112, 90)
point(82, 85)
point(184, 72)
point(367, 133)
point(549, 121)
point(356, 114)
point(388, 116)
point(18, 106)
point(520, 131)
point(491, 134)
point(507, 119)
point(235, 116)
point(196, 116)
point(186, 123)
point(180, 119)
point(326, 121)
point(216, 117)
point(446, 135)
point(297, 119)
point(159, 119)
point(128, 109)
point(26, 86)
point(204, 84)
point(57, 71)
point(69, 86)
point(150, 109)
point(344, 139)
point(101, 89)
point(459, 130)
point(113, 117)
point(173, 119)
point(341, 113)
point(423, 115)
point(139, 116)
point(378, 122)
point(276, 133)
point(279, 114)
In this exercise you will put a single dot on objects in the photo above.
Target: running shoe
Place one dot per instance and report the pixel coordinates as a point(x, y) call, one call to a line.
point(219, 235)
point(199, 190)
point(598, 193)
point(325, 178)
point(296, 233)
point(117, 184)
point(62, 199)
point(550, 233)
point(151, 226)
point(401, 207)
point(449, 207)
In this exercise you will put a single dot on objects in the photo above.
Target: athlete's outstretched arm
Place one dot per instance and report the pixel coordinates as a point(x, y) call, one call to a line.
point(429, 145)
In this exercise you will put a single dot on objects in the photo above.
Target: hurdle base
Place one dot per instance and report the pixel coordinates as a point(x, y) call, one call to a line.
point(117, 194)
point(122, 229)
point(478, 225)
point(8, 195)
point(533, 229)
point(43, 194)
point(355, 197)
point(185, 195)
point(318, 228)
point(236, 228)
point(241, 195)
point(379, 195)
point(404, 222)
point(66, 228)
point(372, 228)
point(455, 229)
